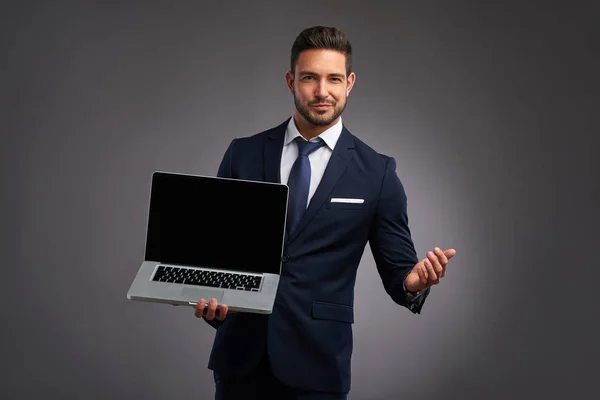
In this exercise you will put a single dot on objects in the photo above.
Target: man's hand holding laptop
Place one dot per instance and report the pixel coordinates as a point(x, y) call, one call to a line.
point(211, 310)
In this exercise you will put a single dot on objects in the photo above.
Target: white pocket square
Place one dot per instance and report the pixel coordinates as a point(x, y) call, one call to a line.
point(347, 200)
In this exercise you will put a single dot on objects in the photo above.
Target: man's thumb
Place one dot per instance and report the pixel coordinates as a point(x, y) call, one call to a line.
point(449, 253)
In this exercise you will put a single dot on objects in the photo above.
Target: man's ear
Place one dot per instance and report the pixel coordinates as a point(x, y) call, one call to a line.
point(351, 79)
point(289, 80)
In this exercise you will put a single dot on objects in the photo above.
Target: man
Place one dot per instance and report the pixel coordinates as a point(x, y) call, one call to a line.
point(343, 194)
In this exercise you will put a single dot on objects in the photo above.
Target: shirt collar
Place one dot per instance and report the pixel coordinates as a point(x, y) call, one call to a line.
point(330, 136)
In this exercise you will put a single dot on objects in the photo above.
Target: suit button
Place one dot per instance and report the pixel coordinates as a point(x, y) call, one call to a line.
point(285, 258)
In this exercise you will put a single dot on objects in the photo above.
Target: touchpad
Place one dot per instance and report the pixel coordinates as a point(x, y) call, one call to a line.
point(195, 294)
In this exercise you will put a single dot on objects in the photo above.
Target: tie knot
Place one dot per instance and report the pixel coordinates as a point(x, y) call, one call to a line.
point(305, 147)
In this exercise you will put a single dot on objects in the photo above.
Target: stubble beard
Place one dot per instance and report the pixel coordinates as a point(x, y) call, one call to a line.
point(319, 118)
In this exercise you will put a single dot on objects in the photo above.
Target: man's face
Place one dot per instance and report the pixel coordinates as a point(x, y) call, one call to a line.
point(320, 86)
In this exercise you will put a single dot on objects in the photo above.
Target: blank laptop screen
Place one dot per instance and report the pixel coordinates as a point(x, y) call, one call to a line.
point(216, 223)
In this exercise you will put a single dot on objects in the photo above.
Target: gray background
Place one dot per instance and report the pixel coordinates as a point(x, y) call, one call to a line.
point(488, 109)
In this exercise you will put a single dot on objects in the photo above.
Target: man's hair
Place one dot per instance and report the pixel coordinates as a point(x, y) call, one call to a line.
point(321, 37)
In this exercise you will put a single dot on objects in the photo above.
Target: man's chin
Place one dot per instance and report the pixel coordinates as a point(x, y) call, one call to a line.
point(321, 118)
point(321, 121)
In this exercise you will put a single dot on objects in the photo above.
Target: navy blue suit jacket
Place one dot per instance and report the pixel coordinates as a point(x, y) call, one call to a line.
point(309, 334)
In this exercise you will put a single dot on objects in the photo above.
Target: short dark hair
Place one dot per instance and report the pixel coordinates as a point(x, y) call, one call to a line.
point(321, 37)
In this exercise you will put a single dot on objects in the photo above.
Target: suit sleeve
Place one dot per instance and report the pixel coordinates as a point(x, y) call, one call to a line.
point(225, 171)
point(225, 168)
point(391, 243)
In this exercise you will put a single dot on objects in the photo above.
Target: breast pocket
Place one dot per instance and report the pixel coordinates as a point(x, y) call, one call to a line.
point(345, 203)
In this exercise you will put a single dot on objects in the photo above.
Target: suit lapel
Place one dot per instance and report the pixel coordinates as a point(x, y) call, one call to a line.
point(341, 156)
point(272, 155)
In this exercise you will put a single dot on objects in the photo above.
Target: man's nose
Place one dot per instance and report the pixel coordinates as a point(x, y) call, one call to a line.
point(321, 90)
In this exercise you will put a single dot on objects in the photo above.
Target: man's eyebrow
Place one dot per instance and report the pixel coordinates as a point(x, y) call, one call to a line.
point(335, 74)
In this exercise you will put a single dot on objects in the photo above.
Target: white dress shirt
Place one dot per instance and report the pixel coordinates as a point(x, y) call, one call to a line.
point(318, 158)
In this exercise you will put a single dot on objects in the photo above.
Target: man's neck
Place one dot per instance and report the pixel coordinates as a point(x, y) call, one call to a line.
point(309, 131)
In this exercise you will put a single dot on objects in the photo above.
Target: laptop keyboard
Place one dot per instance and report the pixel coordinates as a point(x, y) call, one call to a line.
point(216, 279)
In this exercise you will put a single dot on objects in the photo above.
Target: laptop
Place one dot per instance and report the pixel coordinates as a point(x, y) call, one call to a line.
point(210, 237)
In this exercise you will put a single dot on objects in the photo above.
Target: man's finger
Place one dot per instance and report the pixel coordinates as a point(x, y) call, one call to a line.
point(211, 309)
point(441, 256)
point(425, 272)
point(443, 260)
point(437, 267)
point(422, 272)
point(449, 253)
point(199, 312)
point(223, 309)
point(431, 275)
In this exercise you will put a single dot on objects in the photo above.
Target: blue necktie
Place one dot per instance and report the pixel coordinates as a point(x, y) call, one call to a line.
point(299, 182)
